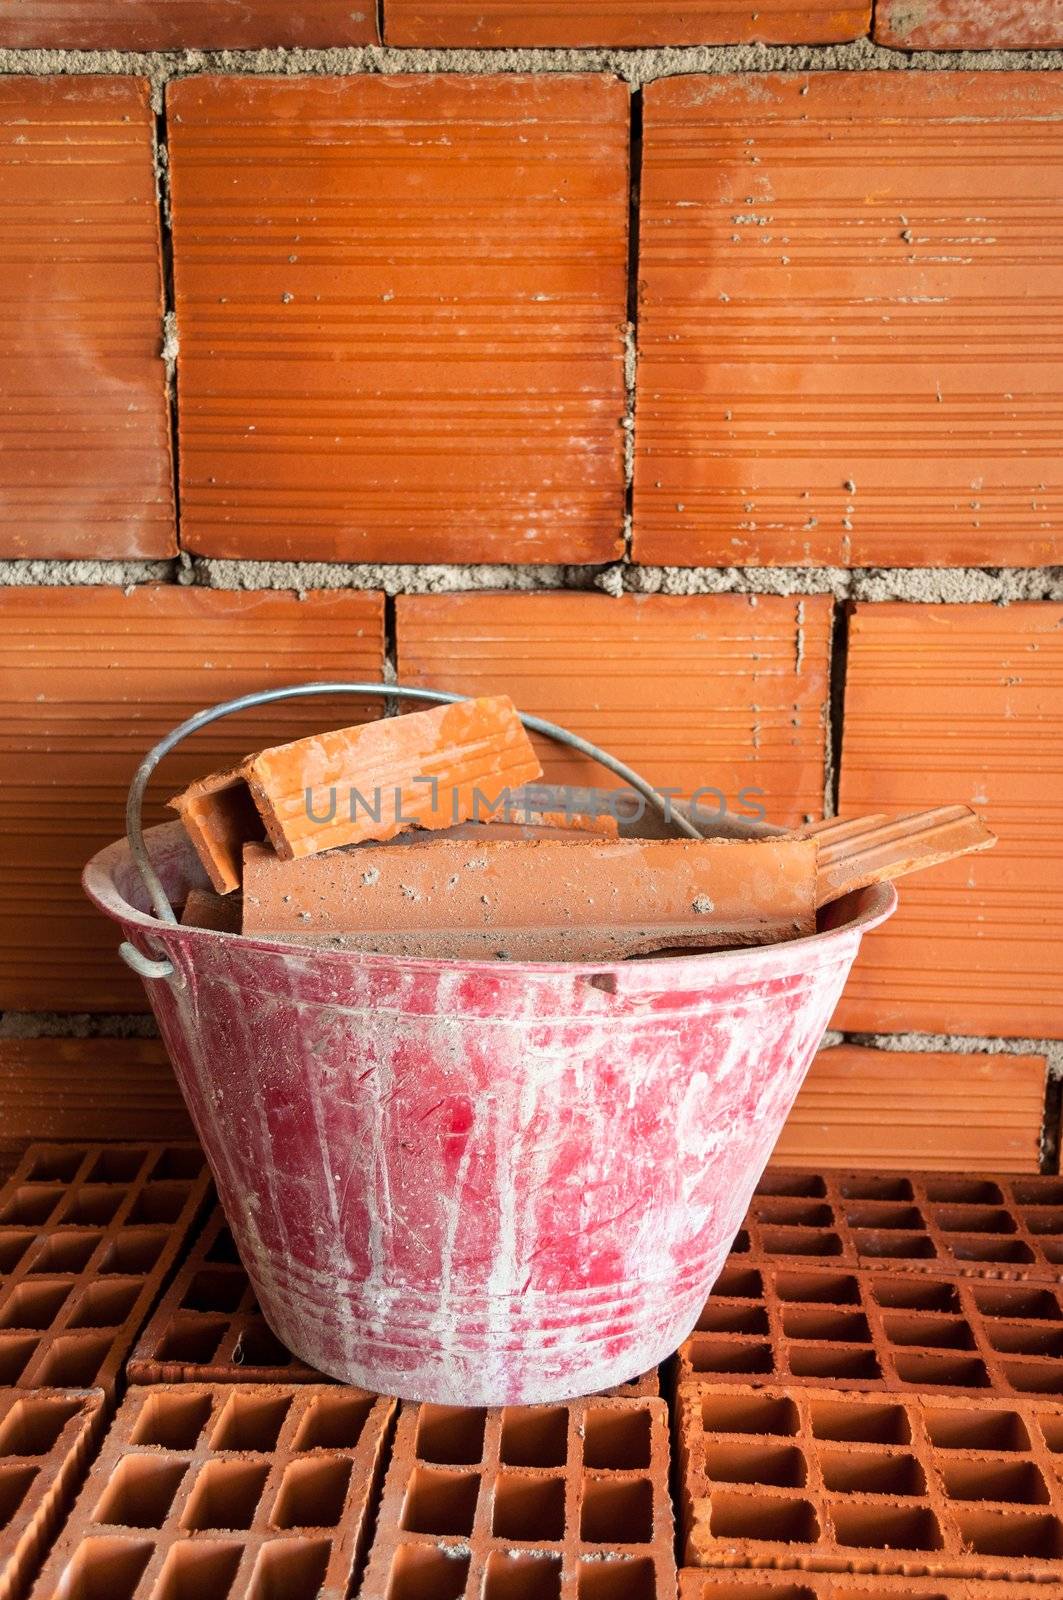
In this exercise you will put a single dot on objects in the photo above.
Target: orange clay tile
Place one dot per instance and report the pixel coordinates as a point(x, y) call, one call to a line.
point(722, 692)
point(88, 1089)
point(47, 1440)
point(968, 24)
point(401, 304)
point(184, 24)
point(962, 703)
point(604, 899)
point(843, 368)
point(84, 427)
point(89, 680)
point(203, 909)
point(866, 850)
point(487, 23)
point(898, 1110)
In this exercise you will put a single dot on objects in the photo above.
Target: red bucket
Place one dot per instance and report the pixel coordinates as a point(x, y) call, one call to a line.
point(473, 1182)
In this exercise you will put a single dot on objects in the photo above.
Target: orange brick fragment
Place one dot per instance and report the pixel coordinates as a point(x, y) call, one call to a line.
point(424, 368)
point(835, 370)
point(969, 24)
point(539, 900)
point(866, 850)
point(185, 24)
point(491, 23)
point(84, 426)
point(947, 703)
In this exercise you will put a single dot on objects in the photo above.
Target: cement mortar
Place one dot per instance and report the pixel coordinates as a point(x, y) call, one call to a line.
point(67, 574)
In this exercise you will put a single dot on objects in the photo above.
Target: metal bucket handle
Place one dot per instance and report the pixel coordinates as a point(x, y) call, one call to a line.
point(143, 965)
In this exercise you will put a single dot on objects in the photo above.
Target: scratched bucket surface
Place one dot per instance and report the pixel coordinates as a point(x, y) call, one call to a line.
point(481, 1183)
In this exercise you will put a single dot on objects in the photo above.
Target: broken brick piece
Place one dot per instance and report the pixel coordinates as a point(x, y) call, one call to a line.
point(219, 815)
point(221, 914)
point(538, 900)
point(47, 1437)
point(856, 853)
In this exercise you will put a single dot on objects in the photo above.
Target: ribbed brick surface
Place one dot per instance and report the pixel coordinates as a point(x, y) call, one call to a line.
point(841, 1328)
point(724, 691)
point(221, 1490)
point(968, 24)
point(838, 372)
point(46, 1439)
point(401, 304)
point(88, 1236)
point(565, 1501)
point(898, 1110)
point(792, 1477)
point(179, 24)
point(732, 1583)
point(963, 703)
point(84, 430)
point(486, 23)
point(89, 680)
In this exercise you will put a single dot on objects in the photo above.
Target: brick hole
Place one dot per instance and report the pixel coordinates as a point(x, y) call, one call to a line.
point(916, 1294)
point(174, 1421)
point(198, 1572)
point(929, 1332)
point(1052, 1249)
point(105, 1569)
point(1035, 1377)
point(974, 1219)
point(989, 1247)
point(963, 1191)
point(1052, 1428)
point(334, 1422)
point(749, 1413)
point(778, 1588)
point(250, 1422)
point(780, 1519)
point(33, 1305)
point(617, 1580)
point(15, 1485)
point(1037, 1191)
point(885, 1527)
point(522, 1577)
point(1031, 1303)
point(1015, 1481)
point(55, 1166)
point(900, 1246)
point(141, 1492)
point(832, 1361)
point(313, 1494)
point(976, 1430)
point(104, 1305)
point(214, 1290)
point(941, 1371)
point(800, 1242)
point(617, 1511)
point(860, 1472)
point(115, 1166)
point(996, 1534)
point(818, 1288)
point(64, 1252)
point(440, 1502)
point(258, 1346)
point(13, 1246)
point(95, 1205)
point(1020, 1339)
point(842, 1327)
point(740, 1243)
point(797, 1185)
point(713, 1354)
point(616, 1439)
point(226, 1495)
point(423, 1572)
point(173, 1162)
point(135, 1251)
point(192, 1339)
point(15, 1356)
point(74, 1361)
point(290, 1569)
point(159, 1202)
point(719, 1316)
point(33, 1425)
point(451, 1435)
point(1044, 1219)
point(781, 1465)
point(739, 1283)
point(868, 1186)
point(528, 1507)
point(223, 1250)
point(844, 1423)
point(795, 1213)
point(31, 1203)
point(884, 1216)
point(534, 1437)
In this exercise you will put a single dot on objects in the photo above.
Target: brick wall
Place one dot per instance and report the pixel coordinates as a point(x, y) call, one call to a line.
point(694, 373)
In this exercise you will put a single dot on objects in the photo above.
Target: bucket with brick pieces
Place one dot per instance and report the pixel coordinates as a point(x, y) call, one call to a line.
point(465, 1181)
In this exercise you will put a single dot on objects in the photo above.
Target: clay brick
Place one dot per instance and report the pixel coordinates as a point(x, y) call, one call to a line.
point(866, 850)
point(84, 426)
point(427, 368)
point(727, 691)
point(814, 384)
point(492, 23)
point(208, 1328)
point(732, 1583)
point(226, 1489)
point(90, 679)
point(797, 1477)
point(895, 1111)
point(89, 1234)
point(185, 24)
point(46, 1439)
point(838, 1327)
point(968, 24)
point(961, 703)
point(568, 1501)
point(80, 1089)
point(960, 1225)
